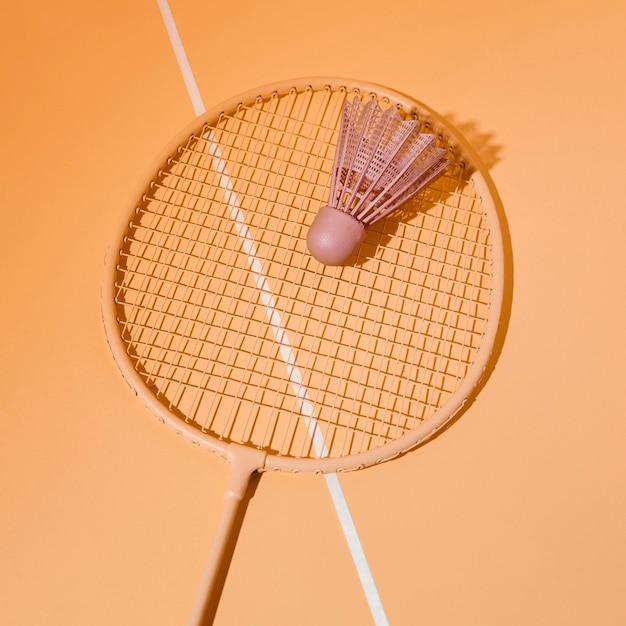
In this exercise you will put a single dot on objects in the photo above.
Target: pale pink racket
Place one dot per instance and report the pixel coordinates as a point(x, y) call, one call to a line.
point(233, 334)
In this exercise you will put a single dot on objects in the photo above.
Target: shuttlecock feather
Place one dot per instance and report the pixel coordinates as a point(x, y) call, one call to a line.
point(381, 161)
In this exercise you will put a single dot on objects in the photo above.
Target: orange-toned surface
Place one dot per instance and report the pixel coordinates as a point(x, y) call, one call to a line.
point(514, 516)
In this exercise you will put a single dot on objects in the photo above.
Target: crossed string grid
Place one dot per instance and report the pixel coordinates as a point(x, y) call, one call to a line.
point(381, 344)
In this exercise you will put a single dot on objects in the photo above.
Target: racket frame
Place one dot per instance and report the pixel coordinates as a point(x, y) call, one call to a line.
point(458, 400)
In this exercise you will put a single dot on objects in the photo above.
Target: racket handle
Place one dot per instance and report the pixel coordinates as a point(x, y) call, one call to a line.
point(244, 462)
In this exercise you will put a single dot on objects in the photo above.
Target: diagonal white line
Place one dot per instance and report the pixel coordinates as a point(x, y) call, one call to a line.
point(249, 247)
point(306, 406)
point(181, 57)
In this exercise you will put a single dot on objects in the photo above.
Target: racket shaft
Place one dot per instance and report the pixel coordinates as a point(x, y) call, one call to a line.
point(244, 462)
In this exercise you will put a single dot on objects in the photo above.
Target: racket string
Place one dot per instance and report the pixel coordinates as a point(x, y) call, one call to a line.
point(198, 324)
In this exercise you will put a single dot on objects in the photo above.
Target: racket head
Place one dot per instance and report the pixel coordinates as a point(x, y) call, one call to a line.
point(233, 335)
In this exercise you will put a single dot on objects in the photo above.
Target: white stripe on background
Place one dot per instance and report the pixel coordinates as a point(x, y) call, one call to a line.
point(306, 406)
point(267, 297)
point(181, 57)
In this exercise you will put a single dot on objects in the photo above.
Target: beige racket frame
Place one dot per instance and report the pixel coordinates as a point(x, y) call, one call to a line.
point(485, 189)
point(246, 460)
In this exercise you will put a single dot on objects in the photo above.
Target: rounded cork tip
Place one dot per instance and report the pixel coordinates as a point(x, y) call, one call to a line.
point(334, 236)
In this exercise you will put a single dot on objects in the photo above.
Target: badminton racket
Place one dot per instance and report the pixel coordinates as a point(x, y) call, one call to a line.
point(231, 333)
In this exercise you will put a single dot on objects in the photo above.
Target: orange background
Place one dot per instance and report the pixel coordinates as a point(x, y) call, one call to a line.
point(515, 516)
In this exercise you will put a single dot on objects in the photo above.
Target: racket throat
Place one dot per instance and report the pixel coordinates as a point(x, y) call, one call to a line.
point(243, 463)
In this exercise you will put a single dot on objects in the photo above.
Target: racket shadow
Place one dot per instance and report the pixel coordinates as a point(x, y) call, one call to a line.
point(427, 201)
point(490, 153)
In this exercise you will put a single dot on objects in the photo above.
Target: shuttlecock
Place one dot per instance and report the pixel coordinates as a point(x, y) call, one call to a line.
point(381, 161)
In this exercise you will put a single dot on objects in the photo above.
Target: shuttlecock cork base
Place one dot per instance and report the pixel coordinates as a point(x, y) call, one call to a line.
point(334, 236)
point(381, 161)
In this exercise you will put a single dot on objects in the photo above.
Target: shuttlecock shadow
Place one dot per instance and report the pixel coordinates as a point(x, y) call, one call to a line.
point(483, 143)
point(382, 233)
point(485, 151)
